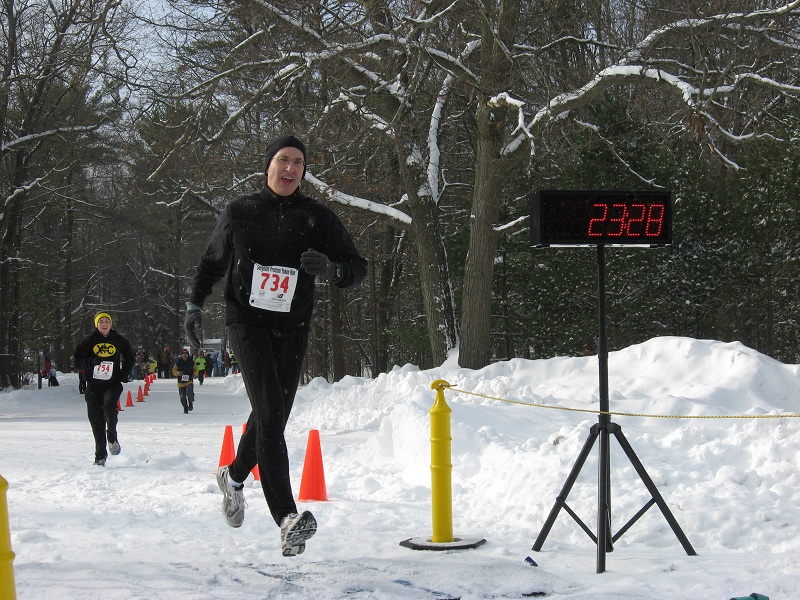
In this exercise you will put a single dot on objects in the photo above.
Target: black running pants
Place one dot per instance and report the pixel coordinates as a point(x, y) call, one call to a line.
point(101, 408)
point(271, 365)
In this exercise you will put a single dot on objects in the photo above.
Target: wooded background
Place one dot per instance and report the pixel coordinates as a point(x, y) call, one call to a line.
point(127, 126)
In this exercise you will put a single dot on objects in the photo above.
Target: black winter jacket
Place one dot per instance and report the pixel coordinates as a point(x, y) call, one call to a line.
point(184, 371)
point(96, 349)
point(273, 231)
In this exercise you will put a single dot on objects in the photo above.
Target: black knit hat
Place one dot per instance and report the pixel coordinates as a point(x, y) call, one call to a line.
point(284, 142)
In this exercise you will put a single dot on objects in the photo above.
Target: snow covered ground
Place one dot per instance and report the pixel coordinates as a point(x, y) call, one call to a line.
point(148, 525)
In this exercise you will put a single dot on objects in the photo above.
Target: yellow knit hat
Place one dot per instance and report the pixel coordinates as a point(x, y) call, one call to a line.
point(99, 316)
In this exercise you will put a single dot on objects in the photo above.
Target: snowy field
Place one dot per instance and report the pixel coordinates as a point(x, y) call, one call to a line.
point(148, 525)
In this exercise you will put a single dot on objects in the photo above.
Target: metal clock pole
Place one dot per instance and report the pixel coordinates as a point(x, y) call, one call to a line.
point(604, 419)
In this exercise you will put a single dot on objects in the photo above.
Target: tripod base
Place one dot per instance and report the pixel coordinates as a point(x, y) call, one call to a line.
point(604, 538)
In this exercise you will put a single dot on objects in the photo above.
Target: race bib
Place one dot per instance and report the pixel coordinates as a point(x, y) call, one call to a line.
point(104, 370)
point(184, 378)
point(273, 288)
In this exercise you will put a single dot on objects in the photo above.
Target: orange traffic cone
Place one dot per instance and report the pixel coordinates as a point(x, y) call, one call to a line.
point(255, 471)
point(228, 453)
point(129, 401)
point(312, 486)
point(146, 388)
point(139, 397)
point(119, 407)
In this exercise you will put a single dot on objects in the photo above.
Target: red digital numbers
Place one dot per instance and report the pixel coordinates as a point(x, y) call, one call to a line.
point(601, 217)
point(633, 220)
point(278, 282)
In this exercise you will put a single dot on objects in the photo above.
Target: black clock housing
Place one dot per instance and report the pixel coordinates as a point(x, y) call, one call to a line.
point(609, 218)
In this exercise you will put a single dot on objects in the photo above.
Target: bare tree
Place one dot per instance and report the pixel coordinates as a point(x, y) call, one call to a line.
point(428, 81)
point(61, 84)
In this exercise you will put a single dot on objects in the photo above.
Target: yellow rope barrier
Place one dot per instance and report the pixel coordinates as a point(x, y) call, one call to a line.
point(620, 414)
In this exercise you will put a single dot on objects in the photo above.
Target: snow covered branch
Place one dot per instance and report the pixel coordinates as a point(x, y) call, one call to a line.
point(42, 135)
point(399, 218)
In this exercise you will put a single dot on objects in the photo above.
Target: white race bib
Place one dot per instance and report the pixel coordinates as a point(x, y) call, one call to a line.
point(184, 378)
point(104, 370)
point(273, 288)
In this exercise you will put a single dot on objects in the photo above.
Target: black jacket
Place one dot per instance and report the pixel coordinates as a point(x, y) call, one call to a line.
point(270, 230)
point(97, 349)
point(183, 367)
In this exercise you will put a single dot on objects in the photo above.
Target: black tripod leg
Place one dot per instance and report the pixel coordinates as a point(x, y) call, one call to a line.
point(654, 493)
point(604, 538)
point(562, 497)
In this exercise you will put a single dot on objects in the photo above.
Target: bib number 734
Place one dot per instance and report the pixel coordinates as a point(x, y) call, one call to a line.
point(274, 282)
point(272, 287)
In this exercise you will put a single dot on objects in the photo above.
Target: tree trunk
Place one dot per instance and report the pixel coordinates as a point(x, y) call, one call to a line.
point(337, 330)
point(176, 314)
point(490, 175)
point(385, 272)
point(476, 315)
point(66, 350)
point(10, 251)
point(434, 277)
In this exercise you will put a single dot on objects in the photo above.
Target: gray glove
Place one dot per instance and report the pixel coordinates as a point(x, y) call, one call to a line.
point(193, 324)
point(316, 263)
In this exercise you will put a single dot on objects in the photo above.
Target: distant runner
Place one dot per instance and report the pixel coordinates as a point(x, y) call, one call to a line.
point(106, 358)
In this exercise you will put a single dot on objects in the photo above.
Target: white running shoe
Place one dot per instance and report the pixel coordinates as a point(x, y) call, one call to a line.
point(295, 530)
point(233, 502)
point(114, 448)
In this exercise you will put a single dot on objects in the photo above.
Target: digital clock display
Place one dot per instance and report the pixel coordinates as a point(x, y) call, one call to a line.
point(591, 218)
